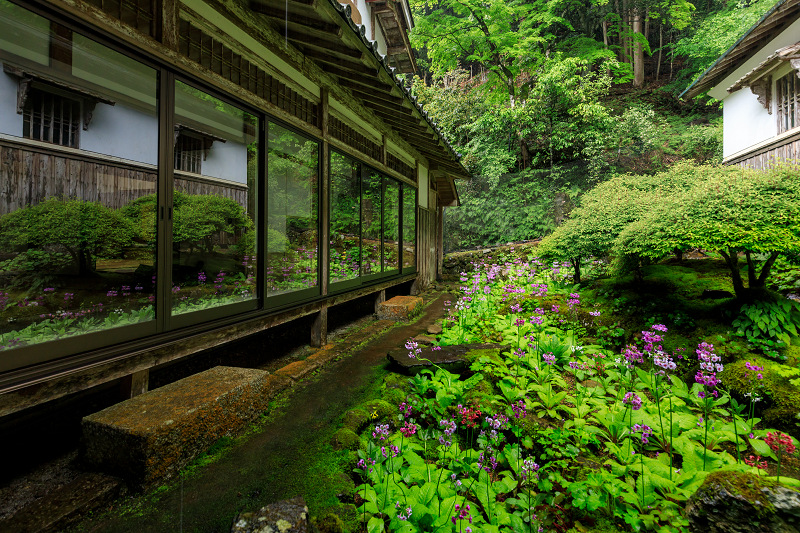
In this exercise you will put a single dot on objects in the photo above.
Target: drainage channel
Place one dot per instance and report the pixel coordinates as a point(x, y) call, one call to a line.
point(288, 455)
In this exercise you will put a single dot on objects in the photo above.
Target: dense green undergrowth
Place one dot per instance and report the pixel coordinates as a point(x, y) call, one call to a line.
point(611, 405)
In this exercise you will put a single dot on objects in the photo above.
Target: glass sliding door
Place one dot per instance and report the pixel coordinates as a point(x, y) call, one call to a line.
point(391, 225)
point(371, 222)
point(409, 228)
point(214, 250)
point(345, 219)
point(292, 215)
point(79, 152)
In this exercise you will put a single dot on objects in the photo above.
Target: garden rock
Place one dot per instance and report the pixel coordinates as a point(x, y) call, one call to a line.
point(434, 329)
point(450, 357)
point(733, 502)
point(287, 516)
point(425, 339)
point(400, 308)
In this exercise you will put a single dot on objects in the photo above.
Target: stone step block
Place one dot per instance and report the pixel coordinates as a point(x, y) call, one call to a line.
point(400, 308)
point(151, 436)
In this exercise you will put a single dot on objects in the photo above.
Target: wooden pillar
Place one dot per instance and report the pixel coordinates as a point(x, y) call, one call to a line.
point(325, 185)
point(169, 22)
point(439, 240)
point(319, 329)
point(135, 384)
point(380, 297)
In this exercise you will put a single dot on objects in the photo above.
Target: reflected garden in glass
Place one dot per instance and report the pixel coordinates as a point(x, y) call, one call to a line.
point(79, 150)
point(213, 214)
point(292, 212)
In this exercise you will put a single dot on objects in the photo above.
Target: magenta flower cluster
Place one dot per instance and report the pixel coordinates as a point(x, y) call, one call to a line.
point(632, 399)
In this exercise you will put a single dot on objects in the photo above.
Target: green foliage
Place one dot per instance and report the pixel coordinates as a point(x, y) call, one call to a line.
point(198, 219)
point(769, 325)
point(85, 230)
point(608, 209)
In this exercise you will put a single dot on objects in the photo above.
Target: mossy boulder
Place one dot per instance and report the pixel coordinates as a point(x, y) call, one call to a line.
point(742, 502)
point(330, 523)
point(782, 399)
point(346, 439)
point(379, 409)
point(395, 389)
point(355, 420)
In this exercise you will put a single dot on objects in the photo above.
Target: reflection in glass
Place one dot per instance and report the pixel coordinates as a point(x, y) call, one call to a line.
point(371, 202)
point(409, 227)
point(391, 225)
point(292, 233)
point(345, 244)
point(77, 253)
point(213, 218)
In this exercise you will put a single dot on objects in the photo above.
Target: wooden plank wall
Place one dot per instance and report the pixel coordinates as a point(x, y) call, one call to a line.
point(29, 176)
point(789, 152)
point(426, 247)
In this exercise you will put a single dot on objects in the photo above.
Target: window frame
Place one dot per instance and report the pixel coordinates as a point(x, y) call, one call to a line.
point(289, 299)
point(787, 89)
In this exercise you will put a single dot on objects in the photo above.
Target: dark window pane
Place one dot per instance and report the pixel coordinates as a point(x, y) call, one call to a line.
point(77, 231)
point(213, 222)
point(371, 205)
point(409, 226)
point(292, 233)
point(345, 245)
point(391, 224)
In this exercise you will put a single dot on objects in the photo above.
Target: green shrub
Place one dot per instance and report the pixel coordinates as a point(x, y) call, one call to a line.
point(768, 325)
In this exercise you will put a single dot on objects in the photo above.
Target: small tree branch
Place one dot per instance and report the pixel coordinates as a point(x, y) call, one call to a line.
point(762, 277)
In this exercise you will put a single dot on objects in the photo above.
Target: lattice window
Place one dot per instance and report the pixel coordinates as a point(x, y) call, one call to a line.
point(788, 105)
point(346, 134)
point(189, 152)
point(139, 14)
point(400, 166)
point(51, 118)
point(220, 59)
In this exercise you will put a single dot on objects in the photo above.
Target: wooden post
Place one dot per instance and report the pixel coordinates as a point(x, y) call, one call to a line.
point(135, 384)
point(169, 21)
point(325, 185)
point(319, 329)
point(439, 241)
point(380, 297)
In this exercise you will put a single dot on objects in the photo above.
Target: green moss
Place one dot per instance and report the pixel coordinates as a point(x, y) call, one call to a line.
point(379, 409)
point(345, 439)
point(603, 525)
point(355, 419)
point(329, 523)
point(492, 353)
point(783, 397)
point(744, 484)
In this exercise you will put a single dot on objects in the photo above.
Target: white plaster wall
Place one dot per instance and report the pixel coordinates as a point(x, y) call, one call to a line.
point(381, 40)
point(423, 187)
point(745, 122)
point(10, 121)
point(122, 132)
point(366, 16)
point(227, 161)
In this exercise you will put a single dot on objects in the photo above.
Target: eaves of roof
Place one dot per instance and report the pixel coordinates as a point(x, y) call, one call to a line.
point(353, 61)
point(768, 26)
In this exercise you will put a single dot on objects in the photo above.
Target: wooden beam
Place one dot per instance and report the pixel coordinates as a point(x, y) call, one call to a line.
point(328, 55)
point(379, 91)
point(379, 98)
point(320, 56)
point(347, 69)
point(389, 108)
point(280, 15)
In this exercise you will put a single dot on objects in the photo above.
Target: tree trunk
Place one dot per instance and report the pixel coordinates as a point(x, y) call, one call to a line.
point(757, 282)
point(576, 266)
point(660, 47)
point(638, 52)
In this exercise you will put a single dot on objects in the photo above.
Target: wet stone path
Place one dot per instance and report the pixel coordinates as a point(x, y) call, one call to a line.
point(287, 456)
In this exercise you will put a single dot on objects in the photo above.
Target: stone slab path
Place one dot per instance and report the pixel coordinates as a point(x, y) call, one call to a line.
point(282, 459)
